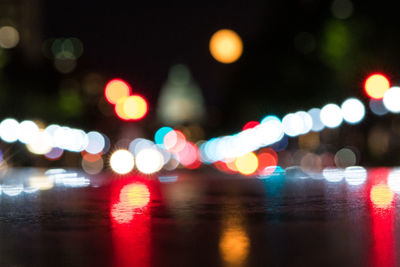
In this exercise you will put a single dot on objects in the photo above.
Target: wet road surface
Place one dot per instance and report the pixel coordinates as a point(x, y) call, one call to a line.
point(199, 218)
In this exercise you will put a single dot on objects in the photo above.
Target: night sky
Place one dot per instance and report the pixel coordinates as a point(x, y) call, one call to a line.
point(140, 42)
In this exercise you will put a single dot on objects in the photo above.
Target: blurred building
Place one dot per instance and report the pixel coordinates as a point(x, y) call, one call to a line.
point(181, 100)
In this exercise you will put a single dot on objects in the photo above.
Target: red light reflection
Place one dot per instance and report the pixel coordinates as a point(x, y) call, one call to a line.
point(130, 220)
point(382, 219)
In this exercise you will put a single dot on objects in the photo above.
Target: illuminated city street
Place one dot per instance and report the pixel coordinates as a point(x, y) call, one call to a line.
point(234, 133)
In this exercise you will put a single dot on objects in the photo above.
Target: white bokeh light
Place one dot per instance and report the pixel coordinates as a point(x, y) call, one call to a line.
point(41, 144)
point(139, 144)
point(270, 130)
point(307, 121)
point(353, 110)
point(292, 124)
point(391, 99)
point(9, 130)
point(394, 180)
point(149, 160)
point(331, 115)
point(122, 161)
point(317, 124)
point(96, 142)
point(28, 131)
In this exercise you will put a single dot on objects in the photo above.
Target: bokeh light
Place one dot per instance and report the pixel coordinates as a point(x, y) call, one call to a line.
point(391, 99)
point(135, 107)
point(231, 165)
point(160, 134)
point(250, 125)
point(317, 124)
point(292, 124)
point(331, 115)
point(226, 46)
point(377, 107)
point(381, 195)
point(376, 85)
point(393, 180)
point(131, 107)
point(311, 164)
point(54, 154)
point(267, 161)
point(247, 164)
point(149, 160)
point(28, 131)
point(9, 130)
point(91, 166)
point(9, 37)
point(138, 144)
point(120, 110)
point(122, 161)
point(41, 144)
point(270, 130)
point(116, 89)
point(174, 141)
point(189, 155)
point(345, 157)
point(70, 139)
point(96, 142)
point(353, 110)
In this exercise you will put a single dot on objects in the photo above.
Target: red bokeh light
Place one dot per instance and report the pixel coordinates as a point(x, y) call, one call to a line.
point(250, 124)
point(267, 161)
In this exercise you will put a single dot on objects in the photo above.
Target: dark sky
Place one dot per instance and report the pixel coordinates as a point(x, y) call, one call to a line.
point(139, 42)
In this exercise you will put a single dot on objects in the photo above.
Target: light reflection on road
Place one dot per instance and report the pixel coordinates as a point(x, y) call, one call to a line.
point(220, 220)
point(130, 219)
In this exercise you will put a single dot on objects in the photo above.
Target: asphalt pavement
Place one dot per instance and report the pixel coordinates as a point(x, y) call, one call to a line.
point(197, 218)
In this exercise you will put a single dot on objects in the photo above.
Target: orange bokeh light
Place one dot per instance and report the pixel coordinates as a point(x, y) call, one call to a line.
point(116, 89)
point(230, 163)
point(131, 108)
point(381, 195)
point(376, 85)
point(135, 107)
point(247, 164)
point(91, 157)
point(226, 46)
point(119, 109)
